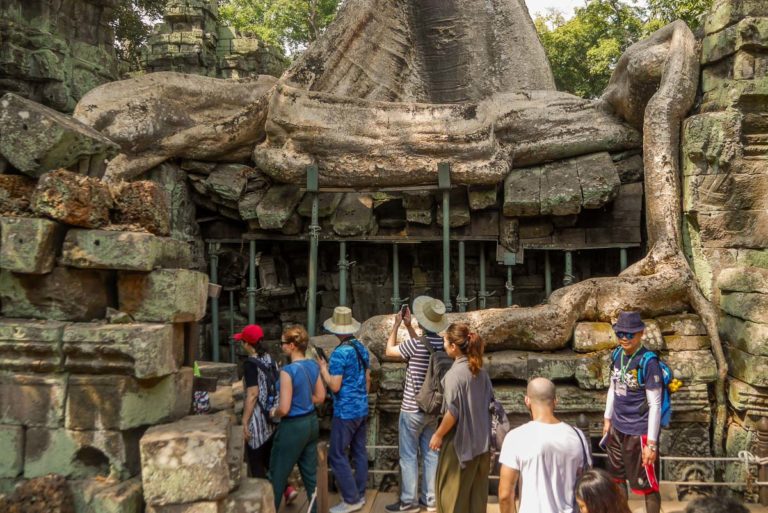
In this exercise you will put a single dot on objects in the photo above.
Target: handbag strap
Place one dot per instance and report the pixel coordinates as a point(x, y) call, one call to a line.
point(584, 457)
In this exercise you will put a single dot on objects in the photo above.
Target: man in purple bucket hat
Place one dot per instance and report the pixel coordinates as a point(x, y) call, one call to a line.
point(633, 412)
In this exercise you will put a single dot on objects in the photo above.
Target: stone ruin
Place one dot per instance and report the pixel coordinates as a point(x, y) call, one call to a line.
point(112, 217)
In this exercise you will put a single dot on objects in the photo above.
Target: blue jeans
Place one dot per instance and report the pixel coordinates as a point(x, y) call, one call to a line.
point(352, 434)
point(416, 428)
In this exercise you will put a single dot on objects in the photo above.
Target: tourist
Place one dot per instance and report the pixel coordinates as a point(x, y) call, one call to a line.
point(633, 414)
point(597, 492)
point(715, 505)
point(415, 427)
point(463, 436)
point(547, 454)
point(295, 440)
point(348, 376)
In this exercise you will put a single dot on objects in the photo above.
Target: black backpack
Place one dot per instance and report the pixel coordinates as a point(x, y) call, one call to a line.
point(271, 374)
point(430, 397)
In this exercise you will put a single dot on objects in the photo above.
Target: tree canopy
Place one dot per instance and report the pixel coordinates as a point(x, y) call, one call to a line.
point(584, 49)
point(133, 23)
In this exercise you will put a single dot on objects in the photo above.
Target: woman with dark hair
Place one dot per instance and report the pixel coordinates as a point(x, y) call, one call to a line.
point(597, 492)
point(297, 434)
point(463, 436)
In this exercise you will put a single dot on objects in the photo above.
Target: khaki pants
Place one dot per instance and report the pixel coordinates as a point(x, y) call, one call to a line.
point(461, 490)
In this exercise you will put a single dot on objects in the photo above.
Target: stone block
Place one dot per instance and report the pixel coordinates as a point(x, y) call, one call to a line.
point(747, 367)
point(459, 214)
point(327, 203)
point(354, 215)
point(570, 398)
point(36, 139)
point(126, 251)
point(99, 496)
point(164, 295)
point(725, 13)
point(509, 233)
point(29, 245)
point(423, 200)
point(48, 494)
point(711, 142)
point(746, 305)
point(229, 180)
point(690, 398)
point(747, 33)
point(681, 324)
point(30, 346)
point(630, 169)
point(73, 199)
point(482, 196)
point(222, 399)
point(248, 204)
point(522, 192)
point(535, 228)
point(235, 451)
point(140, 350)
point(692, 367)
point(748, 336)
point(560, 189)
point(277, 206)
point(593, 336)
point(506, 365)
point(191, 507)
point(81, 454)
point(590, 370)
point(686, 342)
point(252, 496)
point(32, 399)
point(123, 402)
point(724, 192)
point(599, 179)
point(16, 194)
point(12, 449)
point(425, 217)
point(142, 206)
point(743, 279)
point(225, 373)
point(744, 397)
point(64, 294)
point(186, 461)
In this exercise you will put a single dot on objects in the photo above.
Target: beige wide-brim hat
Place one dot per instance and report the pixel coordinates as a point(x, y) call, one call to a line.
point(342, 322)
point(430, 313)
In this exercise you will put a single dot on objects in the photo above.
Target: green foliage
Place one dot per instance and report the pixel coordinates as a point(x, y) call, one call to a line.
point(133, 22)
point(584, 50)
point(288, 24)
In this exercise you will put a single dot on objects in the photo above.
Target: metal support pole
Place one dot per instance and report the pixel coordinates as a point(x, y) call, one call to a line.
point(444, 183)
point(314, 240)
point(481, 303)
point(547, 275)
point(509, 286)
point(251, 282)
point(232, 341)
point(343, 269)
point(396, 299)
point(623, 258)
point(461, 299)
point(213, 252)
point(568, 274)
point(762, 452)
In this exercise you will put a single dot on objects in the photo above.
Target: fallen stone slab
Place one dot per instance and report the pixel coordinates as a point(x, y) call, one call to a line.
point(32, 399)
point(414, 216)
point(482, 196)
point(747, 367)
point(522, 192)
point(248, 204)
point(29, 245)
point(123, 402)
point(225, 373)
point(72, 199)
point(327, 204)
point(750, 337)
point(459, 214)
point(560, 189)
point(16, 195)
point(125, 251)
point(353, 215)
point(747, 398)
point(81, 454)
point(64, 294)
point(746, 305)
point(228, 180)
point(743, 279)
point(186, 461)
point(12, 448)
point(163, 295)
point(277, 206)
point(599, 179)
point(252, 496)
point(139, 350)
point(36, 139)
point(142, 205)
point(99, 496)
point(31, 346)
point(681, 324)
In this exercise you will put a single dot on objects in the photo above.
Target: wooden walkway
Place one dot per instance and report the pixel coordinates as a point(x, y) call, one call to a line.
point(375, 502)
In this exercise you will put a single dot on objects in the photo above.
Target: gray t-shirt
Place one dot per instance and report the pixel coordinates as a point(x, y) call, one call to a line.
point(468, 398)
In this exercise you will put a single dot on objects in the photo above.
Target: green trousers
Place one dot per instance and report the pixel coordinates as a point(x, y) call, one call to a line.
point(461, 490)
point(295, 442)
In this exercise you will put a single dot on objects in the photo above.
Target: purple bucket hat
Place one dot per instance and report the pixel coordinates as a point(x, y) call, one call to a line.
point(629, 322)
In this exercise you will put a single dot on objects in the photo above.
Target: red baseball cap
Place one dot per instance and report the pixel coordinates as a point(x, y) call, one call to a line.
point(251, 334)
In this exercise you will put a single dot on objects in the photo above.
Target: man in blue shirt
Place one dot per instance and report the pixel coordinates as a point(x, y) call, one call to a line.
point(348, 376)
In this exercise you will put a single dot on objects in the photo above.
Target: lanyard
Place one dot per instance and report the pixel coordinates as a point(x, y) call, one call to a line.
point(623, 368)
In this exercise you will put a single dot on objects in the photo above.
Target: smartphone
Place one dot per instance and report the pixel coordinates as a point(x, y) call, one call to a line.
point(321, 353)
point(403, 310)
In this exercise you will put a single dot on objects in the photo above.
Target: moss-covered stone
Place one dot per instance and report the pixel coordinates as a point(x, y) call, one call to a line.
point(749, 32)
point(100, 496)
point(32, 399)
point(12, 448)
point(16, 195)
point(482, 196)
point(142, 205)
point(743, 279)
point(163, 295)
point(750, 337)
point(744, 397)
point(30, 346)
point(277, 206)
point(459, 214)
point(746, 305)
point(747, 367)
point(725, 13)
point(522, 192)
point(29, 245)
point(353, 215)
point(711, 143)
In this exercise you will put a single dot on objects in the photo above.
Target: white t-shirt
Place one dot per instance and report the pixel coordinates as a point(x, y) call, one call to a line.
point(549, 458)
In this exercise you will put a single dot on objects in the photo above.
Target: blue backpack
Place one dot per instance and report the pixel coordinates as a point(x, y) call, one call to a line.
point(666, 377)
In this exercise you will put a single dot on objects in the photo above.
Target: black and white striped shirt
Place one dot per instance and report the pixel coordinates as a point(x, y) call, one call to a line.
point(417, 356)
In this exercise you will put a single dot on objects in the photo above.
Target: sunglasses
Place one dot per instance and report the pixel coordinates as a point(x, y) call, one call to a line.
point(625, 335)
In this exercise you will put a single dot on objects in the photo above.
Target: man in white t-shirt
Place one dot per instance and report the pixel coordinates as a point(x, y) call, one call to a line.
point(548, 454)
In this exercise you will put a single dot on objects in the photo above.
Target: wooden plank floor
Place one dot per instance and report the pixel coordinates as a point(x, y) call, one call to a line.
point(375, 502)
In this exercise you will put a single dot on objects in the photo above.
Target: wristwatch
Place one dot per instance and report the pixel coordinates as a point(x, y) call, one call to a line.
point(652, 447)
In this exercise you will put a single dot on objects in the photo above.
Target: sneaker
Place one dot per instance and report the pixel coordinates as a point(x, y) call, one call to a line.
point(290, 494)
point(343, 507)
point(428, 508)
point(401, 506)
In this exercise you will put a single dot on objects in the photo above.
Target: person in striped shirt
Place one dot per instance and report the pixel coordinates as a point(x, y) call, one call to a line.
point(415, 426)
